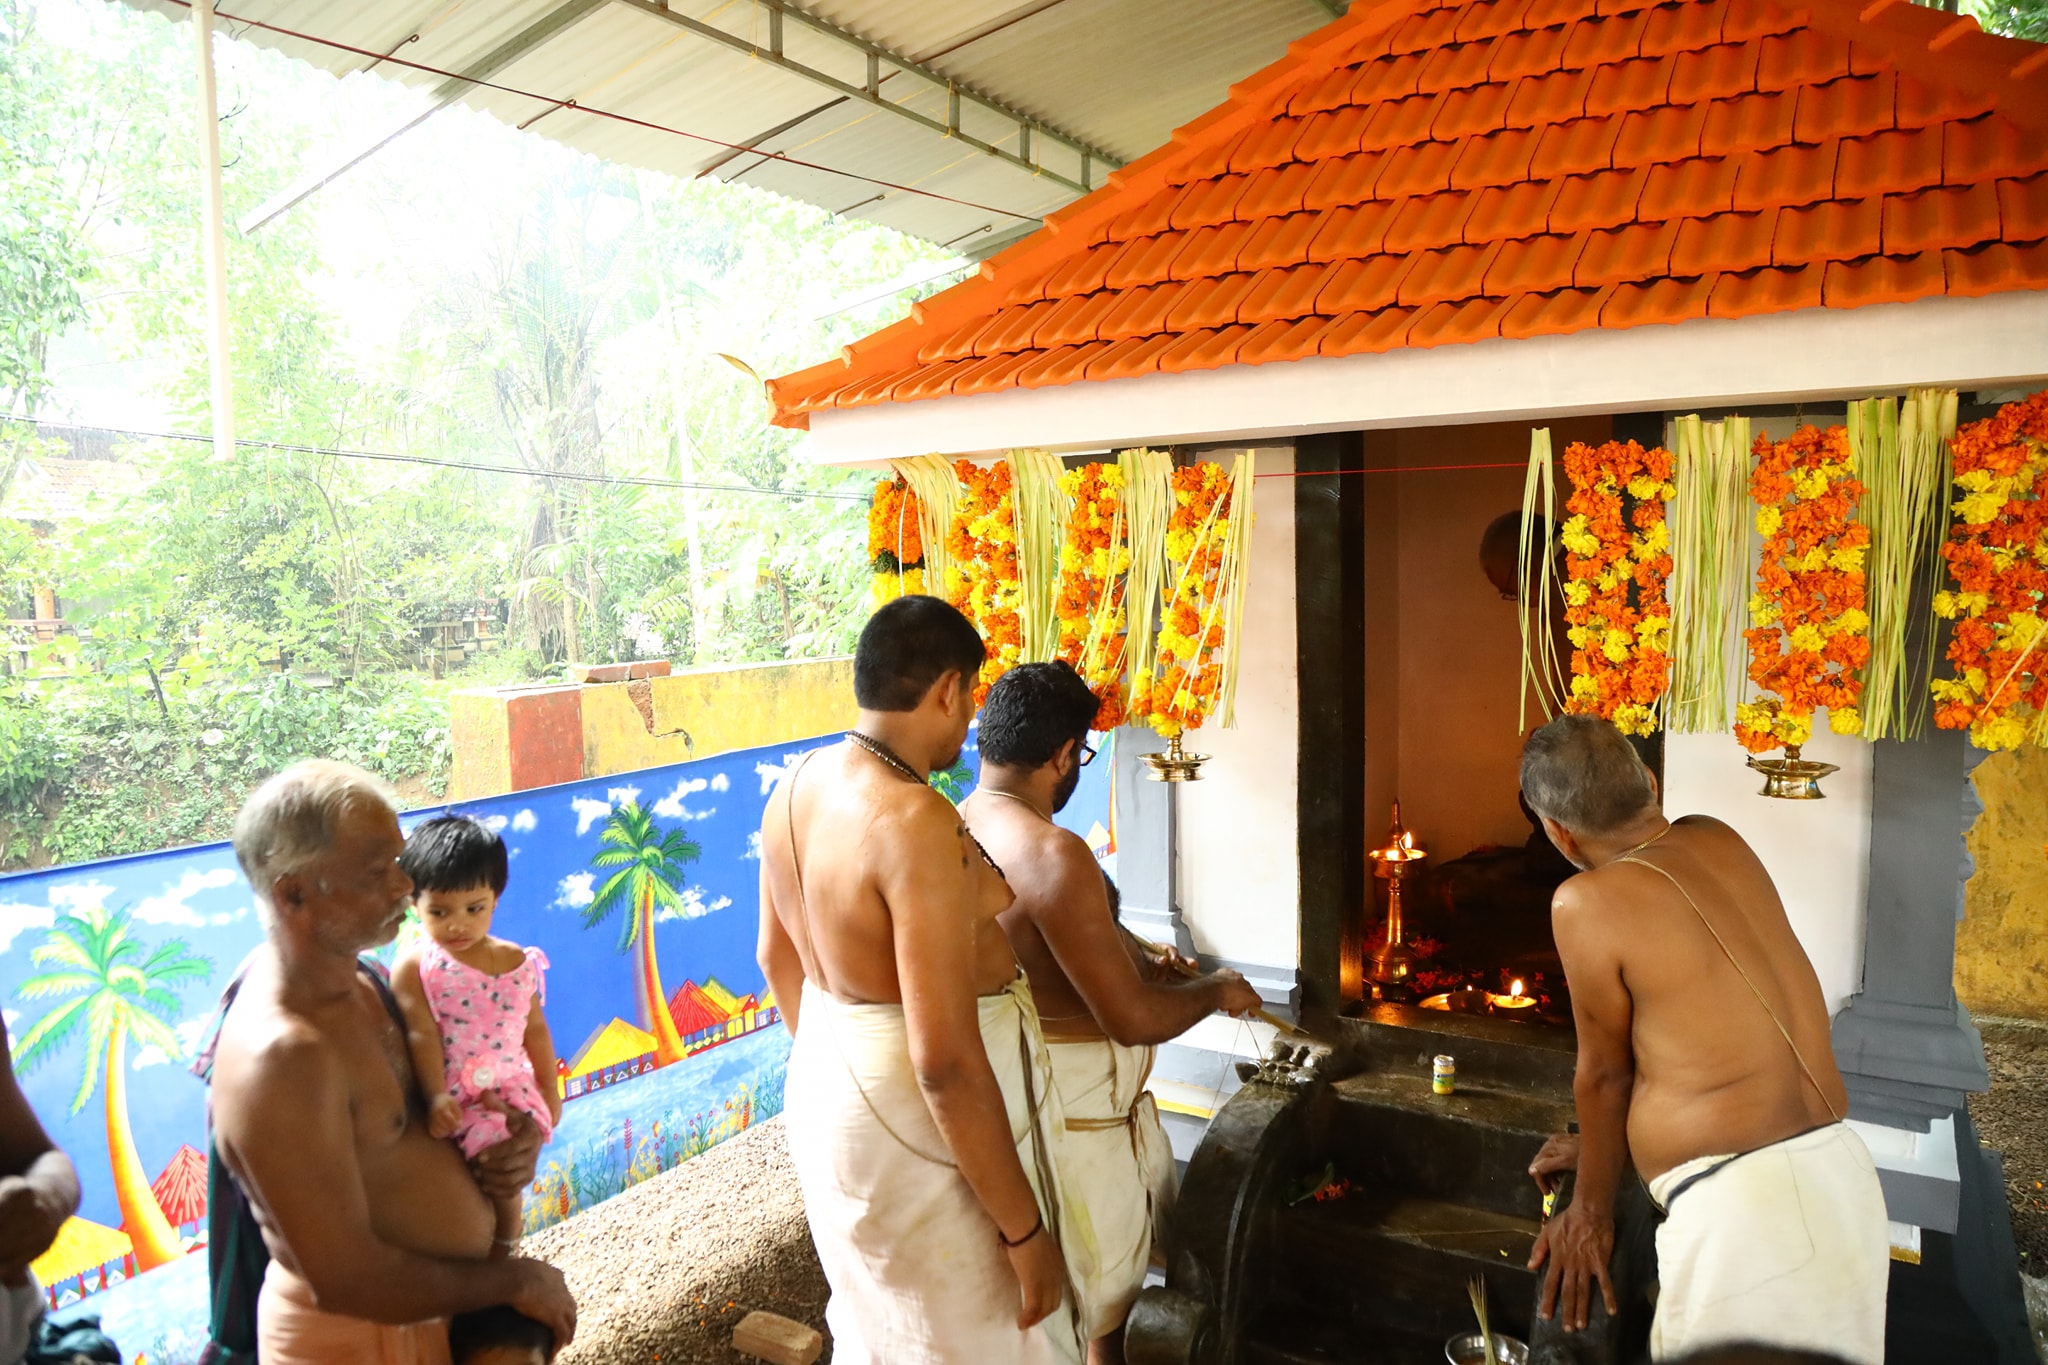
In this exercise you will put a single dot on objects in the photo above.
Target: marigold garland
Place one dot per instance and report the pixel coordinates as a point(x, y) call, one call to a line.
point(1619, 620)
point(1810, 634)
point(895, 545)
point(1997, 555)
point(1095, 557)
point(983, 578)
point(1188, 671)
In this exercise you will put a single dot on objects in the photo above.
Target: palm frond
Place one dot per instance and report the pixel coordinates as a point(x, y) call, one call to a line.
point(58, 983)
point(48, 1034)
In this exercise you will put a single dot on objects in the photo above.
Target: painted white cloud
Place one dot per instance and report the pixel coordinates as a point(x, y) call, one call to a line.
point(754, 845)
point(524, 822)
point(16, 920)
point(8, 1019)
point(671, 807)
point(170, 906)
point(720, 782)
point(772, 773)
point(588, 813)
point(494, 823)
point(622, 796)
point(189, 1032)
point(574, 891)
point(693, 906)
point(75, 898)
point(240, 912)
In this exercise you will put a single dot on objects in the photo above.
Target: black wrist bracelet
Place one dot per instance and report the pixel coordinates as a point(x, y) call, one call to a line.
point(1009, 1245)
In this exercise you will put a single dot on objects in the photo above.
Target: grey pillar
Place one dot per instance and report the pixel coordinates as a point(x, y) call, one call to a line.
point(1145, 843)
point(1906, 1046)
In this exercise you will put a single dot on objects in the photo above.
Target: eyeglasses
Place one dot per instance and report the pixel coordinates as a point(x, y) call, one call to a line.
point(1087, 753)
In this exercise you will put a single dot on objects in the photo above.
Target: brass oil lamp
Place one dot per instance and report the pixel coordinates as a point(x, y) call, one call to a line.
point(1394, 963)
point(1792, 778)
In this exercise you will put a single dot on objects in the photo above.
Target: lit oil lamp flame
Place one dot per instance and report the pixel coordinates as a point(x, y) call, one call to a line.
point(1515, 990)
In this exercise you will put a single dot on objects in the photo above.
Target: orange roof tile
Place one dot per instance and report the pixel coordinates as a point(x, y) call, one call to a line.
point(1428, 172)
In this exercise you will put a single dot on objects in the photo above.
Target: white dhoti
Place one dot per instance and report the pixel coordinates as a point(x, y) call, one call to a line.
point(1117, 1178)
point(1784, 1246)
point(912, 1258)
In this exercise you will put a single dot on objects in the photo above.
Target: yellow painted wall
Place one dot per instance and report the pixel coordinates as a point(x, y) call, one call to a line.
point(2002, 943)
point(477, 728)
point(706, 711)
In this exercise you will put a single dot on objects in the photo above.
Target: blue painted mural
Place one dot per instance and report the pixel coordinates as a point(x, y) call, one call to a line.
point(110, 971)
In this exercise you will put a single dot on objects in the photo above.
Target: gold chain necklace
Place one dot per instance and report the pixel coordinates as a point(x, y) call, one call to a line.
point(1025, 802)
point(1630, 852)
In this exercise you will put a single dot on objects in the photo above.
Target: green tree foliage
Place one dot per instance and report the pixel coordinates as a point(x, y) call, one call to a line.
point(2014, 18)
point(469, 294)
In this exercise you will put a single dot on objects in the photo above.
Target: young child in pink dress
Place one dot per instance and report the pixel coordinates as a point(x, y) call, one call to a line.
point(472, 1002)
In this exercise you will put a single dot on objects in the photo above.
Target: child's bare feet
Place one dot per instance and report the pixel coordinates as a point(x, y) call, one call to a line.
point(444, 1116)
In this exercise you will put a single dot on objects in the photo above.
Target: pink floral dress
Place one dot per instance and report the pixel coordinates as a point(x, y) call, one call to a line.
point(482, 1019)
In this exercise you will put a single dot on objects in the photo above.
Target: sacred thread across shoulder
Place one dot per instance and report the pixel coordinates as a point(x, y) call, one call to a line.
point(1722, 943)
point(1016, 984)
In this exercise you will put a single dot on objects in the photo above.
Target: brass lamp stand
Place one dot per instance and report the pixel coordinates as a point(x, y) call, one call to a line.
point(1394, 963)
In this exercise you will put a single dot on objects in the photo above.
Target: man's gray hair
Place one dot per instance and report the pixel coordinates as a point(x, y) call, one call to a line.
point(290, 820)
point(1582, 772)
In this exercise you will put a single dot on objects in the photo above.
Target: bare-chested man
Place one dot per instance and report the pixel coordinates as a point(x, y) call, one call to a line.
point(917, 1079)
point(377, 1231)
point(1104, 999)
point(1704, 1058)
point(38, 1194)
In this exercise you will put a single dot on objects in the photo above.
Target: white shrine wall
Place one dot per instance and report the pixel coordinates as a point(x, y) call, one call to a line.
point(1817, 852)
point(1238, 879)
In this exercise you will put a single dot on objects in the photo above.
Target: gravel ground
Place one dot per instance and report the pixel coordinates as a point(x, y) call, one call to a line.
point(2013, 1119)
point(665, 1271)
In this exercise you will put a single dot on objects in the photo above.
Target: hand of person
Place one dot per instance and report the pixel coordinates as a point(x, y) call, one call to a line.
point(444, 1116)
point(27, 1227)
point(1578, 1244)
point(1239, 998)
point(505, 1169)
point(1560, 1154)
point(1041, 1277)
point(555, 1108)
point(1174, 964)
point(544, 1296)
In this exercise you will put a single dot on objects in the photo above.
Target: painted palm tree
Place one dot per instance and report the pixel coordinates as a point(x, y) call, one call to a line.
point(645, 865)
point(117, 985)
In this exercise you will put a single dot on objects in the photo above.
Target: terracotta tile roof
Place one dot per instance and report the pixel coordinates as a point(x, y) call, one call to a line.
point(48, 488)
point(1422, 173)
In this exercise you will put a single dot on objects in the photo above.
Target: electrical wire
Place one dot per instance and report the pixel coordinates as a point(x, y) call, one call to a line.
point(571, 102)
point(519, 471)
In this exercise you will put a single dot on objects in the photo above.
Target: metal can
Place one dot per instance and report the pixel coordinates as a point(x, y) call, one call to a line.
point(1444, 1076)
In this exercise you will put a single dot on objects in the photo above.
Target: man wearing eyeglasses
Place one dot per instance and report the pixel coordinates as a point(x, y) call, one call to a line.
point(1104, 996)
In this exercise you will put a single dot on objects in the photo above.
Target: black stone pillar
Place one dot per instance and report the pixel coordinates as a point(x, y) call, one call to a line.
point(1329, 584)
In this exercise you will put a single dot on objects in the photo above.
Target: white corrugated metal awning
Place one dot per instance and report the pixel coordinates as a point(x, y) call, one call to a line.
point(959, 121)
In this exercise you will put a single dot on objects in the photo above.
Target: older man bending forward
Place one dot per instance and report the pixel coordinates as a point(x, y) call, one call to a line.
point(1703, 1054)
point(377, 1231)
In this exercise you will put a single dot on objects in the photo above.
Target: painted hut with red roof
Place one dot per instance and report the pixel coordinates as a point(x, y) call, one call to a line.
point(180, 1189)
point(1429, 228)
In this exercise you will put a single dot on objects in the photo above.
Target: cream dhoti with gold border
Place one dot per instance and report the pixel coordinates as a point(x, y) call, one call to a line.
point(1784, 1246)
point(1117, 1178)
point(916, 1273)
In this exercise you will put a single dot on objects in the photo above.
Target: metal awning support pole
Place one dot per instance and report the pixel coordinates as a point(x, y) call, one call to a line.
point(213, 237)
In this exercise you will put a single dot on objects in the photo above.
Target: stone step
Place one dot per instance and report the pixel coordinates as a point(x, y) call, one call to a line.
point(1401, 1262)
point(1508, 1054)
point(1392, 1135)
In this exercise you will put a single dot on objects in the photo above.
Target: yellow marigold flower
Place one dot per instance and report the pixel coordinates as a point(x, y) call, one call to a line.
point(1580, 637)
point(1762, 610)
point(1980, 508)
point(1847, 561)
point(1643, 487)
point(1975, 480)
point(1946, 689)
point(1976, 680)
point(1793, 729)
point(1809, 483)
point(1974, 603)
point(1945, 605)
point(1999, 732)
point(2023, 630)
point(1654, 632)
point(1854, 621)
point(1845, 720)
point(1577, 592)
point(1633, 719)
point(1584, 688)
point(1768, 519)
point(1657, 538)
point(1754, 715)
point(1807, 636)
point(1615, 647)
